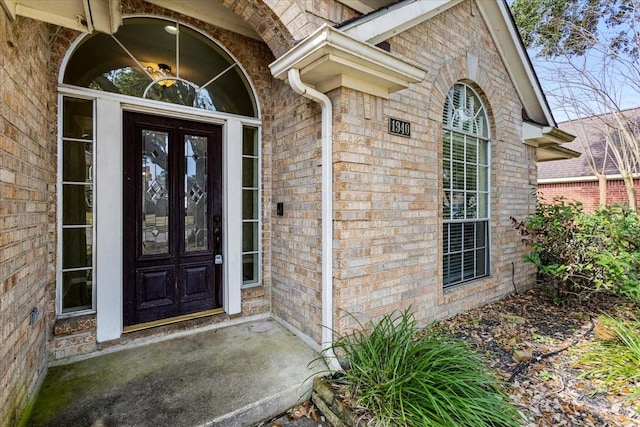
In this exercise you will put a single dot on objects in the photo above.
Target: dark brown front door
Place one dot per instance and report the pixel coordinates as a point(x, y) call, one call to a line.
point(172, 217)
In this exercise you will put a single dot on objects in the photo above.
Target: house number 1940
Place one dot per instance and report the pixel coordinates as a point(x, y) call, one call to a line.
point(399, 127)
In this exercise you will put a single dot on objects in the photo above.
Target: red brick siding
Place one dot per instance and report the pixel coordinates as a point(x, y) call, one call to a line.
point(587, 192)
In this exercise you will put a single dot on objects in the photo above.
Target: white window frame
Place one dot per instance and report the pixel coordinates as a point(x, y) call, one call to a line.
point(59, 209)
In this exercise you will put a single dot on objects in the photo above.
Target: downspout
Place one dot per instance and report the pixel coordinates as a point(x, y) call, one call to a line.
point(327, 211)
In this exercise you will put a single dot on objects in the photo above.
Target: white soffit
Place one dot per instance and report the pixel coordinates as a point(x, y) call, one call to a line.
point(80, 15)
point(328, 59)
point(395, 19)
point(365, 6)
point(210, 12)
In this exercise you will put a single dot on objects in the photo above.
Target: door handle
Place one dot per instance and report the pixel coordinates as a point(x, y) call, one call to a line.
point(216, 233)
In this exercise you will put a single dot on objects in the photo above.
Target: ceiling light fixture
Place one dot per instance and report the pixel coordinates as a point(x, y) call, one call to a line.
point(162, 73)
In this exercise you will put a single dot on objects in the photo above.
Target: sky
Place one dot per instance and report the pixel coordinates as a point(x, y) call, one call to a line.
point(584, 86)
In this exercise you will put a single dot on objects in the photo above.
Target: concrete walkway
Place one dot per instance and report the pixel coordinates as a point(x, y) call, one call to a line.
point(232, 376)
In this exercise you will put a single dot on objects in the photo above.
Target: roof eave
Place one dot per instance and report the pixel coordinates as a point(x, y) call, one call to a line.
point(328, 59)
point(547, 141)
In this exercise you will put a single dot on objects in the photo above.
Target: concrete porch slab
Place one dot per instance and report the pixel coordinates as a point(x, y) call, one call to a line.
point(231, 376)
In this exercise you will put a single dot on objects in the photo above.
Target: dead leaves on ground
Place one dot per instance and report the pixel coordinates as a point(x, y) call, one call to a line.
point(549, 391)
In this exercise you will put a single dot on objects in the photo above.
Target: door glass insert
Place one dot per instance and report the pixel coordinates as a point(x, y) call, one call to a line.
point(195, 193)
point(155, 189)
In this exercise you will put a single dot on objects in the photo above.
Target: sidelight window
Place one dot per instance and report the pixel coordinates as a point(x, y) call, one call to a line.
point(465, 178)
point(250, 207)
point(76, 205)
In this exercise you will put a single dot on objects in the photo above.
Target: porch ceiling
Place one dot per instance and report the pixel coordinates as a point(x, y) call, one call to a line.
point(105, 15)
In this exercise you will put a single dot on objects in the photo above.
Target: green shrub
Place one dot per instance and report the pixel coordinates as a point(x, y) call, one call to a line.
point(406, 379)
point(580, 253)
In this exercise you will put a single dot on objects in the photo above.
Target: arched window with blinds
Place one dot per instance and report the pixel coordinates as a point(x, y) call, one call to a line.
point(465, 180)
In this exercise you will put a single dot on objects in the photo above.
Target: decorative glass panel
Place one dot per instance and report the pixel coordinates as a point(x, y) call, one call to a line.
point(155, 189)
point(165, 61)
point(195, 193)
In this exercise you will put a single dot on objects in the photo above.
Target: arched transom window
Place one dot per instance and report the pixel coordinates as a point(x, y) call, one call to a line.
point(165, 61)
point(465, 172)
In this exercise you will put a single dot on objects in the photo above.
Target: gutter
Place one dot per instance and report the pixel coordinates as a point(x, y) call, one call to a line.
point(327, 212)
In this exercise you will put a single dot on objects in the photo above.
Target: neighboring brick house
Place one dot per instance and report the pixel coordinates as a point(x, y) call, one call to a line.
point(573, 179)
point(166, 165)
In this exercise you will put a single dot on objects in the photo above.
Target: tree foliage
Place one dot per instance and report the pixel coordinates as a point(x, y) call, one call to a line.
point(572, 27)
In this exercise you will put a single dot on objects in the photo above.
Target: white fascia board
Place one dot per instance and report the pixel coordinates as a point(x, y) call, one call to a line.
point(330, 55)
point(588, 178)
point(507, 40)
point(396, 19)
point(538, 135)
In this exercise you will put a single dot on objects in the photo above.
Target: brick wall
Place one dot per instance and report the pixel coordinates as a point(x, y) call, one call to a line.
point(296, 255)
point(387, 189)
point(27, 225)
point(587, 192)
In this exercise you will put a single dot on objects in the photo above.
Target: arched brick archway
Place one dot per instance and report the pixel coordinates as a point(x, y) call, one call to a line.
point(280, 23)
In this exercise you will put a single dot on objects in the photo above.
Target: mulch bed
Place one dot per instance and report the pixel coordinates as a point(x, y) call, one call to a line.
point(519, 337)
point(534, 344)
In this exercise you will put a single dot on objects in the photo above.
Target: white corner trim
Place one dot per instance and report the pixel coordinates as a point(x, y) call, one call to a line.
point(109, 221)
point(396, 20)
point(233, 217)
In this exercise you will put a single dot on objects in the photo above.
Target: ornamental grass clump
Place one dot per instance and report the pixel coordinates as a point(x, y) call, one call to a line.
point(615, 359)
point(405, 377)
